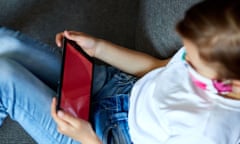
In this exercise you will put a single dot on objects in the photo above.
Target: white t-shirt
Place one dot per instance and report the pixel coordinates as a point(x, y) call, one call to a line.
point(166, 108)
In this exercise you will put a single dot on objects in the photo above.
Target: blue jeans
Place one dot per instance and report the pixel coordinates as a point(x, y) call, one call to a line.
point(28, 81)
point(110, 108)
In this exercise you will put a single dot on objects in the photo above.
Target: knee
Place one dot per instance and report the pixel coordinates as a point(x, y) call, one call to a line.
point(9, 70)
point(8, 40)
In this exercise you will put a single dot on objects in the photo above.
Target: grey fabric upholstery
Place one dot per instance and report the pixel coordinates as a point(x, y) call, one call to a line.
point(42, 19)
point(145, 25)
point(12, 133)
point(156, 26)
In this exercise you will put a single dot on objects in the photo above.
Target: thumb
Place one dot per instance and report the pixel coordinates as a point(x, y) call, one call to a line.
point(67, 118)
point(80, 38)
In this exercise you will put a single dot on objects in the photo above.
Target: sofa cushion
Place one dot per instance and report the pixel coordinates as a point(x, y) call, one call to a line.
point(12, 133)
point(156, 26)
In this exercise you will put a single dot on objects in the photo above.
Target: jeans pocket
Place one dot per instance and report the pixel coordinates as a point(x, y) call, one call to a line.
point(118, 131)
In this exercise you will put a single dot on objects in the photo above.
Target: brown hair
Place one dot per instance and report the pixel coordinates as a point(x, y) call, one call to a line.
point(214, 26)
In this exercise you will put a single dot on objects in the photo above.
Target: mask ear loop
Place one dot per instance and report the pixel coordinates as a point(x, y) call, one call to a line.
point(235, 94)
point(223, 87)
point(228, 88)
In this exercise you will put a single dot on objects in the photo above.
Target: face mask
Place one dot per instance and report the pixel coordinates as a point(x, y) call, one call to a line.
point(215, 86)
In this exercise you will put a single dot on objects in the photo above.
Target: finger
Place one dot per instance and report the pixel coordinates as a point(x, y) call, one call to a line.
point(68, 35)
point(73, 35)
point(58, 39)
point(53, 106)
point(63, 126)
point(57, 114)
point(82, 39)
point(54, 111)
point(71, 120)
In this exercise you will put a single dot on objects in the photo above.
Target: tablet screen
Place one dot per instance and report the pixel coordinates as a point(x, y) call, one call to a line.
point(76, 81)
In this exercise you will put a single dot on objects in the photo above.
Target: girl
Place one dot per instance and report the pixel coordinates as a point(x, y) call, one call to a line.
point(193, 98)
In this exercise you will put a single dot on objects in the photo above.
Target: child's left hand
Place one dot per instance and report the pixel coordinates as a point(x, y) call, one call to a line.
point(75, 128)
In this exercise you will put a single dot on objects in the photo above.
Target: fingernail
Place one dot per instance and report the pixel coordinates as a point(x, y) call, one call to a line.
point(60, 114)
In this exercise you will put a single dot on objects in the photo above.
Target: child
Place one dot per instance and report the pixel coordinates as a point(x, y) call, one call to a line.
point(192, 99)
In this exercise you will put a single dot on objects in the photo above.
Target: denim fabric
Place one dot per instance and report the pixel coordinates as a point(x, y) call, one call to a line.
point(28, 81)
point(40, 59)
point(28, 78)
point(110, 108)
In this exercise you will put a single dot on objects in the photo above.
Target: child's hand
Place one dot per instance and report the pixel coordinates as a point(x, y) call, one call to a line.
point(75, 128)
point(87, 42)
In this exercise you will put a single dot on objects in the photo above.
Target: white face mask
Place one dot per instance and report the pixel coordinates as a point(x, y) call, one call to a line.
point(215, 86)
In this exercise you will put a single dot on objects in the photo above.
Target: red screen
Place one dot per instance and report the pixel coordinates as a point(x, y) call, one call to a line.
point(76, 83)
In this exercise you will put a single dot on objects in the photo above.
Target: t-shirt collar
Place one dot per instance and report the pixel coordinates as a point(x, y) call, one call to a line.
point(214, 86)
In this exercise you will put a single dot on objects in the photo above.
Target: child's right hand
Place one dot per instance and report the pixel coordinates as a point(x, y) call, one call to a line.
point(86, 42)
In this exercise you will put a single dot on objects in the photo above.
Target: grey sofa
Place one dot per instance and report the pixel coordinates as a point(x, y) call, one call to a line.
point(144, 25)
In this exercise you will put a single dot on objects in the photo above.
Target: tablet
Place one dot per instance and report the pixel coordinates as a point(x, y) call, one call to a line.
point(74, 89)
